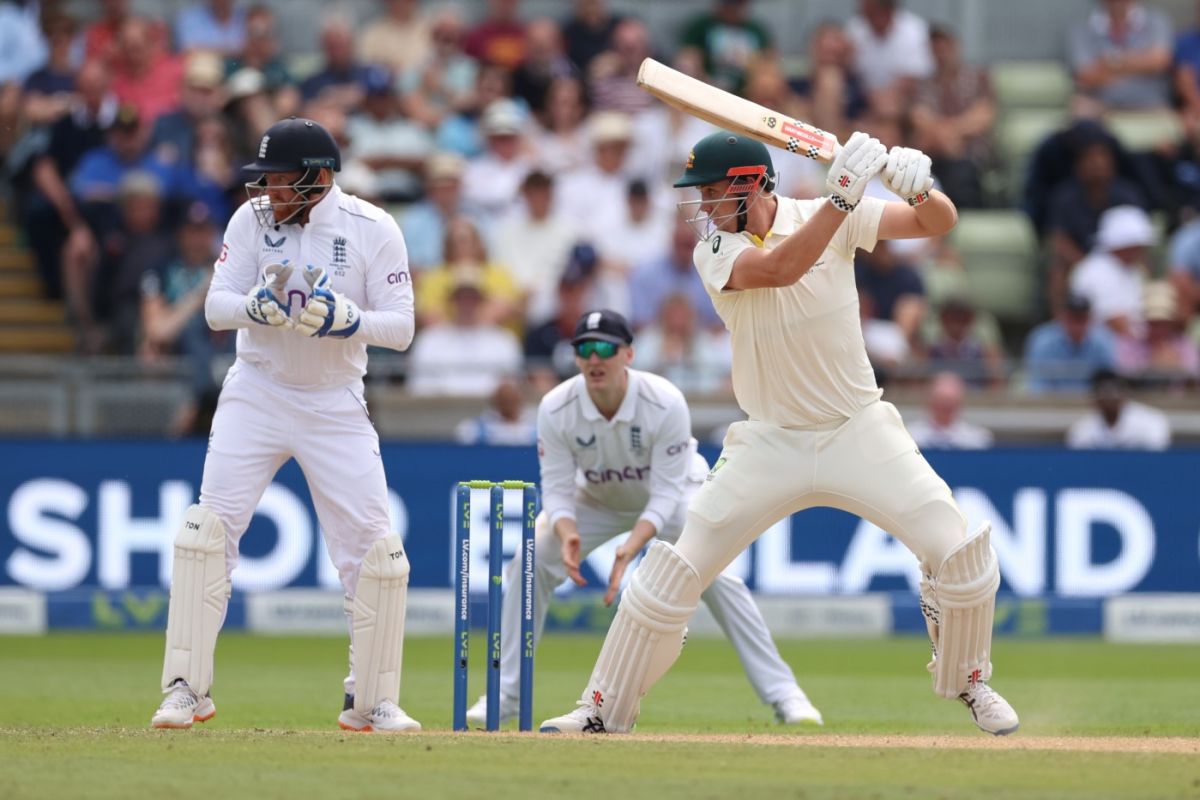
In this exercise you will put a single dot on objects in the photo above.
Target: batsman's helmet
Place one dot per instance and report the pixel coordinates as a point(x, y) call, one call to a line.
point(299, 145)
point(724, 155)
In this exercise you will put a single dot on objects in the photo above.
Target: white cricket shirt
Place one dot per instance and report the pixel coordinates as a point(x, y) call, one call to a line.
point(798, 352)
point(640, 460)
point(360, 247)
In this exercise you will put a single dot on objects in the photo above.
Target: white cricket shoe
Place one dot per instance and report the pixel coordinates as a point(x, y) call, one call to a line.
point(181, 707)
point(584, 719)
point(797, 710)
point(477, 714)
point(991, 712)
point(387, 717)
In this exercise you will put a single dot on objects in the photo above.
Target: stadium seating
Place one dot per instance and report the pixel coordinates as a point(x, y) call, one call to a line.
point(1140, 131)
point(999, 253)
point(1018, 132)
point(1031, 84)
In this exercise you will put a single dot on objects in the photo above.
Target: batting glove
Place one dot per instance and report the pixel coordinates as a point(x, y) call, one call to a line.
point(859, 160)
point(909, 174)
point(265, 304)
point(327, 313)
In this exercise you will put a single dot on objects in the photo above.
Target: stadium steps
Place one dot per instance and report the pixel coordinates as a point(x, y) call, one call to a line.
point(29, 324)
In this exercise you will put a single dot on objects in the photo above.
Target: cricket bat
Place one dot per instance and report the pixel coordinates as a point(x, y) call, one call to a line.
point(735, 113)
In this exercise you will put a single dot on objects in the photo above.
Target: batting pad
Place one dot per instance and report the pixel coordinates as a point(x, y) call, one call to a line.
point(963, 600)
point(378, 614)
point(199, 593)
point(646, 635)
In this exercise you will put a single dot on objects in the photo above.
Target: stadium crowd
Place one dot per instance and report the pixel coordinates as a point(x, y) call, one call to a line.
point(532, 180)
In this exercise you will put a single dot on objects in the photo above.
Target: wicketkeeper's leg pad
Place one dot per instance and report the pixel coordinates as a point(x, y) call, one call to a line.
point(377, 614)
point(646, 635)
point(199, 594)
point(959, 604)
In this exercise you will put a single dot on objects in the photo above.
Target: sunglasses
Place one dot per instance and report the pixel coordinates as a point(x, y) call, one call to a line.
point(605, 350)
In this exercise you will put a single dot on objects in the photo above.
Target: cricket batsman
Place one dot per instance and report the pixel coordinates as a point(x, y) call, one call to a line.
point(617, 454)
point(309, 276)
point(781, 275)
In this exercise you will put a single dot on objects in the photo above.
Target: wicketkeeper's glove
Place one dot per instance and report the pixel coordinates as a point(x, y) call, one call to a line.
point(327, 313)
point(859, 160)
point(266, 302)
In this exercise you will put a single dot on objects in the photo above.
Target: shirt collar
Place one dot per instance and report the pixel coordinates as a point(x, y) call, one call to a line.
point(626, 410)
point(327, 207)
point(783, 224)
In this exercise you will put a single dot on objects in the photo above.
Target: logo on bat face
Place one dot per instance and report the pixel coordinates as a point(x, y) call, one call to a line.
point(691, 160)
point(770, 121)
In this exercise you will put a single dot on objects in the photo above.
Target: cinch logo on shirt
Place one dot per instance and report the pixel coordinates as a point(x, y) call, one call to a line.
point(616, 475)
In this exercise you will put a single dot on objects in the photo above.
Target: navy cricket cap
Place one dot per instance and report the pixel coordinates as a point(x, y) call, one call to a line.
point(604, 325)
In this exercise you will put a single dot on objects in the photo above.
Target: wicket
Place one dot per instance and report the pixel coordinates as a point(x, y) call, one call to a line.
point(462, 598)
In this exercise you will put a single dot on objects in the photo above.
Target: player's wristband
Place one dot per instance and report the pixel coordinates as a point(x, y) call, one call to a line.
point(918, 198)
point(841, 203)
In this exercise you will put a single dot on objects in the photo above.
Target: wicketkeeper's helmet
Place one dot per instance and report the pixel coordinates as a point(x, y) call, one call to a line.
point(293, 145)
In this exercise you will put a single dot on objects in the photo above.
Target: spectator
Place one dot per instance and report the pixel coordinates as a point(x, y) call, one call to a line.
point(1055, 160)
point(97, 176)
point(953, 116)
point(693, 358)
point(588, 32)
point(958, 347)
point(138, 243)
point(728, 42)
point(891, 47)
point(218, 26)
point(548, 350)
point(642, 234)
point(48, 92)
point(545, 61)
point(394, 148)
point(597, 193)
point(342, 78)
point(1159, 352)
point(534, 243)
point(443, 83)
point(561, 140)
point(1121, 57)
point(210, 174)
point(493, 179)
point(1076, 208)
point(887, 347)
point(653, 280)
point(1118, 423)
point(943, 427)
point(1111, 277)
point(1061, 355)
point(424, 223)
point(50, 214)
point(1186, 74)
point(464, 249)
point(398, 40)
point(173, 134)
point(100, 39)
point(1183, 265)
point(465, 355)
point(463, 132)
point(23, 49)
point(507, 421)
point(172, 310)
point(500, 38)
point(831, 95)
point(145, 75)
point(261, 53)
point(894, 286)
point(612, 76)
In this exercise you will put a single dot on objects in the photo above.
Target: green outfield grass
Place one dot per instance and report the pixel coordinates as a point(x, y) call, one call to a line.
point(74, 711)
